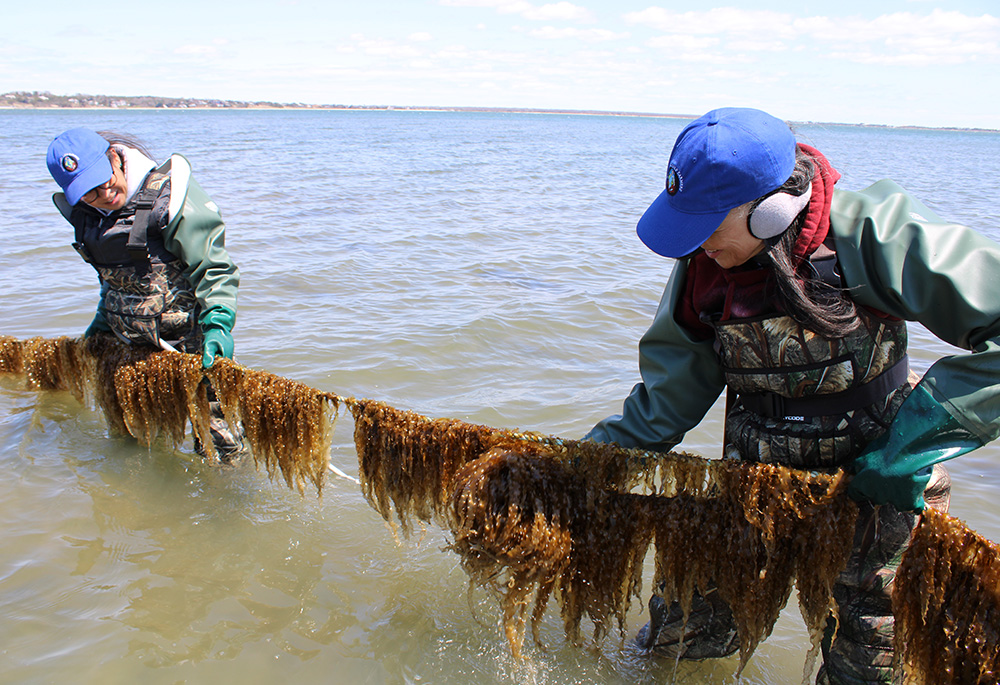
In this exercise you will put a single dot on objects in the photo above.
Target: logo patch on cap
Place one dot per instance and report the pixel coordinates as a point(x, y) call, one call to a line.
point(70, 163)
point(673, 181)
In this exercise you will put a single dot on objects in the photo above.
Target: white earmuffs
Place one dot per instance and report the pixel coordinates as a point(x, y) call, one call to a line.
point(775, 213)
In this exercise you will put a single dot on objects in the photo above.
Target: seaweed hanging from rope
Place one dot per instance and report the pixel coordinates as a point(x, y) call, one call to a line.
point(528, 526)
point(286, 423)
point(47, 363)
point(751, 533)
point(148, 393)
point(537, 517)
point(947, 604)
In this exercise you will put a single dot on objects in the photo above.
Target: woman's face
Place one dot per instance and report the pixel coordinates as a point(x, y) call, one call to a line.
point(112, 194)
point(732, 244)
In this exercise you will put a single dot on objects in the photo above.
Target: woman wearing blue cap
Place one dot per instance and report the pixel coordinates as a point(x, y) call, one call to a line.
point(157, 242)
point(793, 297)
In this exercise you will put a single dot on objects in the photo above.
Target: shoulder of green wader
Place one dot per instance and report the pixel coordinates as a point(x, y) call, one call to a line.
point(901, 258)
point(898, 256)
point(195, 232)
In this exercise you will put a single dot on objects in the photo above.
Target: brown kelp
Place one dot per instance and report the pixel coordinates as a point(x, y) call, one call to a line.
point(752, 532)
point(539, 518)
point(47, 363)
point(947, 604)
point(287, 424)
point(148, 393)
point(529, 525)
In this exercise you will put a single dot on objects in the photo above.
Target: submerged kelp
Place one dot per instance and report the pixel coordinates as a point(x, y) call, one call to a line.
point(537, 517)
point(947, 604)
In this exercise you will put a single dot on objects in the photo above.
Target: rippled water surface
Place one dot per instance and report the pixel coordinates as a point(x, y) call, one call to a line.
point(475, 266)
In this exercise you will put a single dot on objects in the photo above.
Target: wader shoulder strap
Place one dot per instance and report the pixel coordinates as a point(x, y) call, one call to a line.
point(137, 245)
point(824, 263)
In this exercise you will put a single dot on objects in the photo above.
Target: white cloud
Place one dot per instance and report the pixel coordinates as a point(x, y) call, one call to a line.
point(420, 37)
point(725, 20)
point(379, 47)
point(558, 11)
point(563, 11)
point(588, 35)
point(197, 50)
point(751, 45)
point(679, 43)
point(900, 38)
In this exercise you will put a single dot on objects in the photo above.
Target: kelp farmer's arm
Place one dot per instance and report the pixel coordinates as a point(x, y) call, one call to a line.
point(195, 233)
point(681, 379)
point(899, 257)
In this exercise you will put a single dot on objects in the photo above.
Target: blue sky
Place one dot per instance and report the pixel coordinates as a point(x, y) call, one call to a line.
point(896, 62)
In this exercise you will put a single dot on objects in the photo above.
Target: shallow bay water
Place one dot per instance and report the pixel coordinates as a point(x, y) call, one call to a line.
point(480, 266)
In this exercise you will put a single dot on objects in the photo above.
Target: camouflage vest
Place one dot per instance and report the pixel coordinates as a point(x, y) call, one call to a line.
point(145, 294)
point(806, 401)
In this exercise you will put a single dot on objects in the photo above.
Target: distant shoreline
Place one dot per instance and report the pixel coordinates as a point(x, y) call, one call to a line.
point(47, 101)
point(494, 110)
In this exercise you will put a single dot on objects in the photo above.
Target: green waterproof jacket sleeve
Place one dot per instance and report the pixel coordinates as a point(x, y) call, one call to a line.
point(196, 233)
point(899, 257)
point(681, 379)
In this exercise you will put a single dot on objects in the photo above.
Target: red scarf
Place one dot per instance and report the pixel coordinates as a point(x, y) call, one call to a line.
point(817, 223)
point(747, 290)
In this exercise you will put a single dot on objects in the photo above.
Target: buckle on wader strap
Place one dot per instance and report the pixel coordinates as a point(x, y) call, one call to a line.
point(82, 250)
point(775, 406)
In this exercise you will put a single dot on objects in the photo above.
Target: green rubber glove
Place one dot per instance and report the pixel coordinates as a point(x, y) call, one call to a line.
point(218, 343)
point(216, 324)
point(895, 467)
point(98, 325)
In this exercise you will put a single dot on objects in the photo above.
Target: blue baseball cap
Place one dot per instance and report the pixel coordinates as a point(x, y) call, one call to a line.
point(720, 161)
point(78, 161)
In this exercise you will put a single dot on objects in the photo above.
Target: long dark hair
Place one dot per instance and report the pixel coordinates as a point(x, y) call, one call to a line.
point(824, 308)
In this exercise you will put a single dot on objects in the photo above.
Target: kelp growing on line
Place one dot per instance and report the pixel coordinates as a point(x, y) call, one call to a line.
point(537, 517)
point(47, 363)
point(287, 424)
point(529, 526)
point(947, 604)
point(752, 533)
point(150, 394)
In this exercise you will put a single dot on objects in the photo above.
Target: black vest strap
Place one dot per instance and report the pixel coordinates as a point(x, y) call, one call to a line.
point(775, 406)
point(137, 245)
